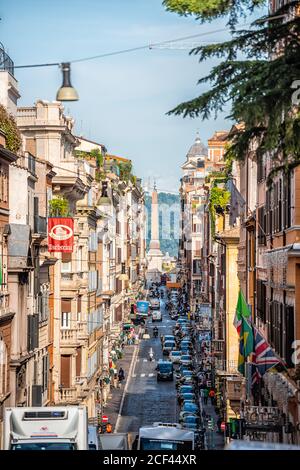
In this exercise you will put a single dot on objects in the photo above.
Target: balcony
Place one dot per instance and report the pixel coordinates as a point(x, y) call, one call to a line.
point(73, 281)
point(68, 336)
point(218, 346)
point(82, 330)
point(68, 394)
point(234, 389)
point(229, 367)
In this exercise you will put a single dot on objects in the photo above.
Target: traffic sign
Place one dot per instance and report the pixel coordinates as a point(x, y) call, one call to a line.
point(223, 426)
point(104, 419)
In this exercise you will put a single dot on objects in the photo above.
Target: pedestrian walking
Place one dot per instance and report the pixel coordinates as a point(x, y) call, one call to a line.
point(212, 395)
point(115, 380)
point(108, 428)
point(121, 375)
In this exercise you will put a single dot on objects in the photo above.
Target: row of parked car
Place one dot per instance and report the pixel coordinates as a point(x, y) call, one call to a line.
point(186, 380)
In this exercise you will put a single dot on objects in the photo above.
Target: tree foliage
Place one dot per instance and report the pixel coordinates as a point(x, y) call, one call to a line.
point(256, 74)
point(206, 10)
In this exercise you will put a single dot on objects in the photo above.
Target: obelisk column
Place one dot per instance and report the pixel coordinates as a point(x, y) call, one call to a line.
point(154, 244)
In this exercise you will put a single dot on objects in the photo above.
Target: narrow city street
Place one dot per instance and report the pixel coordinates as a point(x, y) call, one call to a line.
point(149, 232)
point(146, 400)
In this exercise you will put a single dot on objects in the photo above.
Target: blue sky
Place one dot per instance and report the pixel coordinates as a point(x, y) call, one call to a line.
point(123, 99)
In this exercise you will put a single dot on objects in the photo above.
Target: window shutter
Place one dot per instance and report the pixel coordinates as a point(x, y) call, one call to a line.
point(32, 331)
point(29, 334)
point(36, 393)
point(35, 321)
point(289, 334)
point(66, 257)
point(79, 304)
point(65, 369)
point(78, 362)
point(66, 305)
point(223, 264)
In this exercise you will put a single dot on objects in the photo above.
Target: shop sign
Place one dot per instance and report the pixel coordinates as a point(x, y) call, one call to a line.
point(60, 234)
point(262, 417)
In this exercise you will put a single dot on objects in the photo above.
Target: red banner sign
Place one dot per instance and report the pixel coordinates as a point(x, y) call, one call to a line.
point(60, 234)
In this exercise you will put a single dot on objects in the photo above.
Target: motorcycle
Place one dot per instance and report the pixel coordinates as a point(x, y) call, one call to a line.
point(151, 355)
point(155, 332)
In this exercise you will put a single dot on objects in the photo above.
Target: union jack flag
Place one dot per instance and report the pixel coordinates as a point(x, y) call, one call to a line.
point(263, 358)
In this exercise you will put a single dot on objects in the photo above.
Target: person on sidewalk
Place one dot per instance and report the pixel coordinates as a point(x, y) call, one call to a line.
point(205, 395)
point(108, 427)
point(121, 375)
point(212, 395)
point(115, 380)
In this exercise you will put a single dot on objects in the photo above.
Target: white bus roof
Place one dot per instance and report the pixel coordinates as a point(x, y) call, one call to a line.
point(166, 432)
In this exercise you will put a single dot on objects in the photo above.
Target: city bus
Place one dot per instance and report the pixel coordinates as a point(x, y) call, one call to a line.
point(165, 436)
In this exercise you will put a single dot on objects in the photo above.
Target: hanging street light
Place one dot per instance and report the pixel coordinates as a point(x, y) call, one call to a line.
point(66, 91)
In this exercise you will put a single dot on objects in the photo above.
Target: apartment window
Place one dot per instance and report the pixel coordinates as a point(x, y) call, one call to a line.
point(261, 300)
point(92, 280)
point(269, 212)
point(79, 308)
point(261, 169)
point(66, 263)
point(289, 335)
point(93, 241)
point(78, 361)
point(118, 227)
point(65, 319)
point(45, 372)
point(65, 371)
point(43, 302)
point(119, 254)
point(66, 313)
point(286, 202)
point(276, 326)
point(261, 229)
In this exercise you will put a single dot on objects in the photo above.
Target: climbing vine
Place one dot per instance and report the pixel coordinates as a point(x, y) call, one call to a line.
point(9, 126)
point(218, 200)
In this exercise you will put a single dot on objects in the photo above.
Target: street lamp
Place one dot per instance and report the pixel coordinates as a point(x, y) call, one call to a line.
point(66, 91)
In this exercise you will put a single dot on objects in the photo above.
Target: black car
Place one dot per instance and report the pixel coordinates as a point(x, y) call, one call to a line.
point(165, 370)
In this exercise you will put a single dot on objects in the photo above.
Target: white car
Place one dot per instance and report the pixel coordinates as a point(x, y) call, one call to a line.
point(155, 303)
point(156, 315)
point(175, 356)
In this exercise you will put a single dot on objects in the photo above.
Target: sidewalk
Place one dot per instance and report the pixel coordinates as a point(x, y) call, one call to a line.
point(213, 439)
point(113, 405)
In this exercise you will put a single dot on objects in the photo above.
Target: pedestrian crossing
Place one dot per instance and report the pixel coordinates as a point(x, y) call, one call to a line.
point(143, 376)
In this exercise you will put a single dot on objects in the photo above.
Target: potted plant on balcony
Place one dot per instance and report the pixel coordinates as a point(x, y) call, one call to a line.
point(58, 207)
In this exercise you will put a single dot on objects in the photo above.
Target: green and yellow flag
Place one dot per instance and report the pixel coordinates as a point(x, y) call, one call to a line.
point(246, 337)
